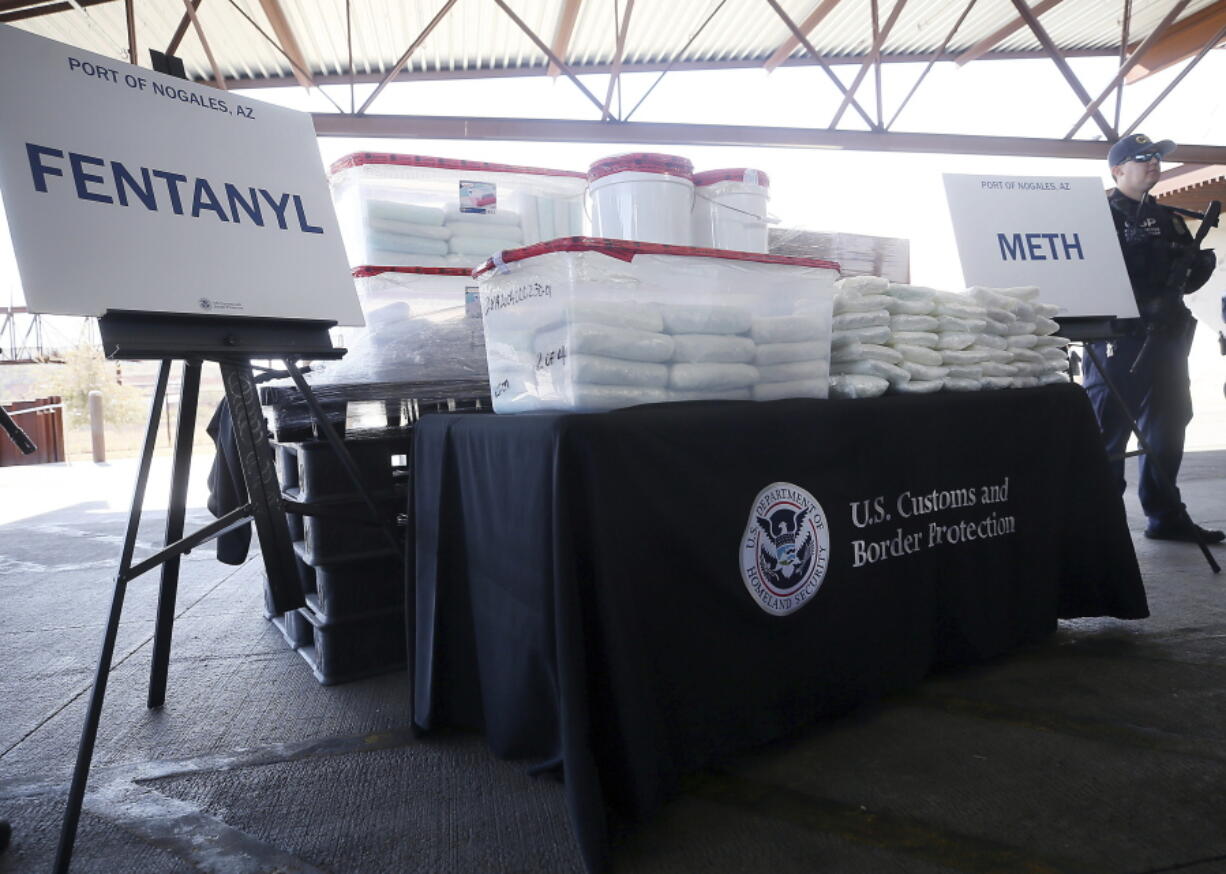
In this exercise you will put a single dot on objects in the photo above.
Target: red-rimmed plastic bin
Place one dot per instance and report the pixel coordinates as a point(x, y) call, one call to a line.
point(424, 211)
point(590, 324)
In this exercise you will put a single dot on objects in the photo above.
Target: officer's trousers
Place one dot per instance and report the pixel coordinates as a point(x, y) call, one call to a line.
point(1159, 396)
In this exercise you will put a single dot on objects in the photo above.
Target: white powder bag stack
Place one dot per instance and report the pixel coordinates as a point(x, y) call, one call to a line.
point(614, 354)
point(475, 236)
point(713, 357)
point(405, 234)
point(862, 285)
point(1053, 348)
point(862, 362)
point(1027, 327)
point(913, 336)
point(962, 327)
point(855, 385)
point(791, 354)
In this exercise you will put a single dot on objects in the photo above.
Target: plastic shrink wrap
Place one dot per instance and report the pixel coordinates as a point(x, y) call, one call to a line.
point(856, 254)
point(423, 344)
point(592, 324)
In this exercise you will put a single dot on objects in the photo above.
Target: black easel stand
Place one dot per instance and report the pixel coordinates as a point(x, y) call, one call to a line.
point(1090, 330)
point(232, 343)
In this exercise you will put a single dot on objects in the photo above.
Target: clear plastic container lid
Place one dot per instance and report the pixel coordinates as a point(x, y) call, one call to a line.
point(362, 159)
point(626, 250)
point(368, 270)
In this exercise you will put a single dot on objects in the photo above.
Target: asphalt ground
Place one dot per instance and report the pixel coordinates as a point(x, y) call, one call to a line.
point(1102, 749)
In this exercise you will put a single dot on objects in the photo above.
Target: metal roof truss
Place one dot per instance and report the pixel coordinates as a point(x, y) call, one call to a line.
point(250, 43)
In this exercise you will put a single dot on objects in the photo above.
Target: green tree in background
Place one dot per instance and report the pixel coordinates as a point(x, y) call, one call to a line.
point(85, 369)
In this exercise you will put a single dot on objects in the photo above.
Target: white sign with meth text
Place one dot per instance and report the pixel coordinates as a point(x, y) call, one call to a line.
point(127, 189)
point(1053, 232)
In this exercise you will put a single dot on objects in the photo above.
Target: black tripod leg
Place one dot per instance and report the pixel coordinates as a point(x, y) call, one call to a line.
point(185, 435)
point(89, 733)
point(1167, 482)
point(263, 489)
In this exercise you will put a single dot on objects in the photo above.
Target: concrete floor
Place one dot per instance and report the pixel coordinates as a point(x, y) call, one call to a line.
point(1101, 750)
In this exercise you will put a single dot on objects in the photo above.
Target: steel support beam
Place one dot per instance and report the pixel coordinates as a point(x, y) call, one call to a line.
point(644, 133)
point(813, 53)
point(1132, 61)
point(129, 14)
point(603, 69)
point(20, 10)
point(671, 64)
point(1065, 70)
point(181, 31)
point(985, 45)
point(812, 20)
point(1191, 65)
point(408, 53)
point(1125, 23)
point(931, 61)
point(619, 53)
point(553, 59)
point(289, 42)
point(878, 38)
point(562, 34)
point(219, 79)
point(353, 101)
point(1182, 41)
point(13, 5)
point(296, 66)
point(117, 48)
point(872, 59)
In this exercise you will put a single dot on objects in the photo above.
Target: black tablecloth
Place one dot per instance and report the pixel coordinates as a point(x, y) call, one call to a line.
point(580, 596)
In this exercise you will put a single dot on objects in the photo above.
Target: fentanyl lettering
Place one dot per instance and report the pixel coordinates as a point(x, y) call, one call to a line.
point(112, 182)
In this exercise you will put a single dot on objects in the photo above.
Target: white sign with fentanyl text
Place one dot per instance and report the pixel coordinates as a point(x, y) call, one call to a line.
point(1053, 232)
point(127, 189)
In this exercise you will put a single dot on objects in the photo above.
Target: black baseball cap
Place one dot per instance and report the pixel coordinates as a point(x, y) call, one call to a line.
point(1137, 144)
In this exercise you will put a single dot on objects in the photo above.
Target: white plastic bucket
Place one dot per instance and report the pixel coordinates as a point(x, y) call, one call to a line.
point(647, 207)
point(732, 214)
point(643, 196)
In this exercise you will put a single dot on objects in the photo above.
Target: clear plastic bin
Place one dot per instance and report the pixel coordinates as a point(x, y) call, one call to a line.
point(420, 211)
point(590, 324)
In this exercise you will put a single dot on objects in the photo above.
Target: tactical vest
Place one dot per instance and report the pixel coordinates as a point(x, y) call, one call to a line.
point(1146, 232)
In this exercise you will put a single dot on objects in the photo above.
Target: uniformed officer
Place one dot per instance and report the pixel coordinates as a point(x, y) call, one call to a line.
point(1163, 265)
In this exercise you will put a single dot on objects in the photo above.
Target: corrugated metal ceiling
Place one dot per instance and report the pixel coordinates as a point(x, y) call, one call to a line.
point(477, 35)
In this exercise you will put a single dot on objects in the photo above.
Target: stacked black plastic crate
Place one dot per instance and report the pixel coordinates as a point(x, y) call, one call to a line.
point(353, 623)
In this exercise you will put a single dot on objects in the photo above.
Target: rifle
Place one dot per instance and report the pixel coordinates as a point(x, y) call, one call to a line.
point(1181, 271)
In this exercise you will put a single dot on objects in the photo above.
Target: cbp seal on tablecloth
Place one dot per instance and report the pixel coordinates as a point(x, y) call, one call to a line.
point(786, 548)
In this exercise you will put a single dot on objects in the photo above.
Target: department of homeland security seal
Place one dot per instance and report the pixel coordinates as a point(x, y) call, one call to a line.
point(786, 548)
